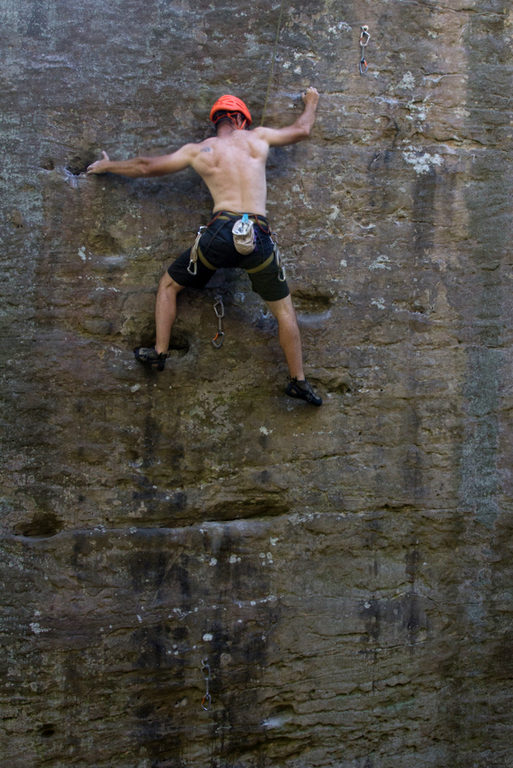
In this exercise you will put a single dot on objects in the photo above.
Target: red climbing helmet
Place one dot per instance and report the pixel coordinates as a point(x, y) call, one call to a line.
point(230, 104)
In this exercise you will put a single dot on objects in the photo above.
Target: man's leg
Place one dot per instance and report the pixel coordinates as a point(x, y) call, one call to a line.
point(290, 341)
point(289, 335)
point(165, 315)
point(165, 311)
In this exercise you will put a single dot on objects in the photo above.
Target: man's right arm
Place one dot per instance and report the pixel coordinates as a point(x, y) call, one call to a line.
point(146, 166)
point(299, 130)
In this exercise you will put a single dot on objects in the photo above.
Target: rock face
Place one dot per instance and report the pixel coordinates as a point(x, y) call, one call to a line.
point(197, 571)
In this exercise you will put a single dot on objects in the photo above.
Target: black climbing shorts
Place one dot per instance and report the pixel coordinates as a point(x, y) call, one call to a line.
point(217, 249)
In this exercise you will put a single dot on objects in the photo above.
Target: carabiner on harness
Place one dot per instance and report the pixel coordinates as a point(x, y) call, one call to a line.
point(218, 339)
point(192, 267)
point(282, 276)
point(364, 39)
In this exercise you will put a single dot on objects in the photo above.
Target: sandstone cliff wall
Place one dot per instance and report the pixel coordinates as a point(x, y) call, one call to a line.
point(341, 577)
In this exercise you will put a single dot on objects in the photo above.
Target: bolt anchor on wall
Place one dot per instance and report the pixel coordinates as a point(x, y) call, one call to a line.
point(364, 40)
point(206, 701)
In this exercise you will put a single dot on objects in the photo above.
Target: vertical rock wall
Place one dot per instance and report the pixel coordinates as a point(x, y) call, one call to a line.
point(339, 579)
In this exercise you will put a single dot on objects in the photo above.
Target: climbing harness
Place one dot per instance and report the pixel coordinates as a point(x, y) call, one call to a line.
point(244, 240)
point(364, 39)
point(206, 700)
point(218, 339)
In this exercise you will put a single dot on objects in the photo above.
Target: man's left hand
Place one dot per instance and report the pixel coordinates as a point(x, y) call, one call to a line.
point(99, 166)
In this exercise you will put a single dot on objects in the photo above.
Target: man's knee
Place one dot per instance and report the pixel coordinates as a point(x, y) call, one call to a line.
point(168, 284)
point(283, 309)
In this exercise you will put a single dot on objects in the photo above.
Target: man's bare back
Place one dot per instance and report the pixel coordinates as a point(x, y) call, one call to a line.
point(232, 165)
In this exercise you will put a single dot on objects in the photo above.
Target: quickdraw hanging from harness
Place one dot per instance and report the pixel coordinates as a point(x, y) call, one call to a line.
point(218, 339)
point(364, 39)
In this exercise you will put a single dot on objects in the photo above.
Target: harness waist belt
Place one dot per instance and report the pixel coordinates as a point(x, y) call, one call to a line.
point(251, 271)
point(227, 215)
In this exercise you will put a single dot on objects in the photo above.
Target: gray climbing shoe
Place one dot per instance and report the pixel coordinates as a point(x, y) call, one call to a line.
point(150, 357)
point(303, 390)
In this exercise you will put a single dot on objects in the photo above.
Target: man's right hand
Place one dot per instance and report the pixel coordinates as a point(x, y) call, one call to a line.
point(99, 166)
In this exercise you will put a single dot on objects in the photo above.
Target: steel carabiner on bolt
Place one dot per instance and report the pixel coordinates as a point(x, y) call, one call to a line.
point(364, 39)
point(207, 699)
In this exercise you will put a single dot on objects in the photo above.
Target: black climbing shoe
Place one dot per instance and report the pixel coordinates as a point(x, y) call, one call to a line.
point(150, 357)
point(302, 389)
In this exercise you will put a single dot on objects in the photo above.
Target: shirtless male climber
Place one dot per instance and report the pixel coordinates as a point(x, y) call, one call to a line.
point(232, 164)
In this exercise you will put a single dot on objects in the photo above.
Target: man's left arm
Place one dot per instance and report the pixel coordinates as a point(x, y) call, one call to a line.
point(145, 166)
point(300, 129)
